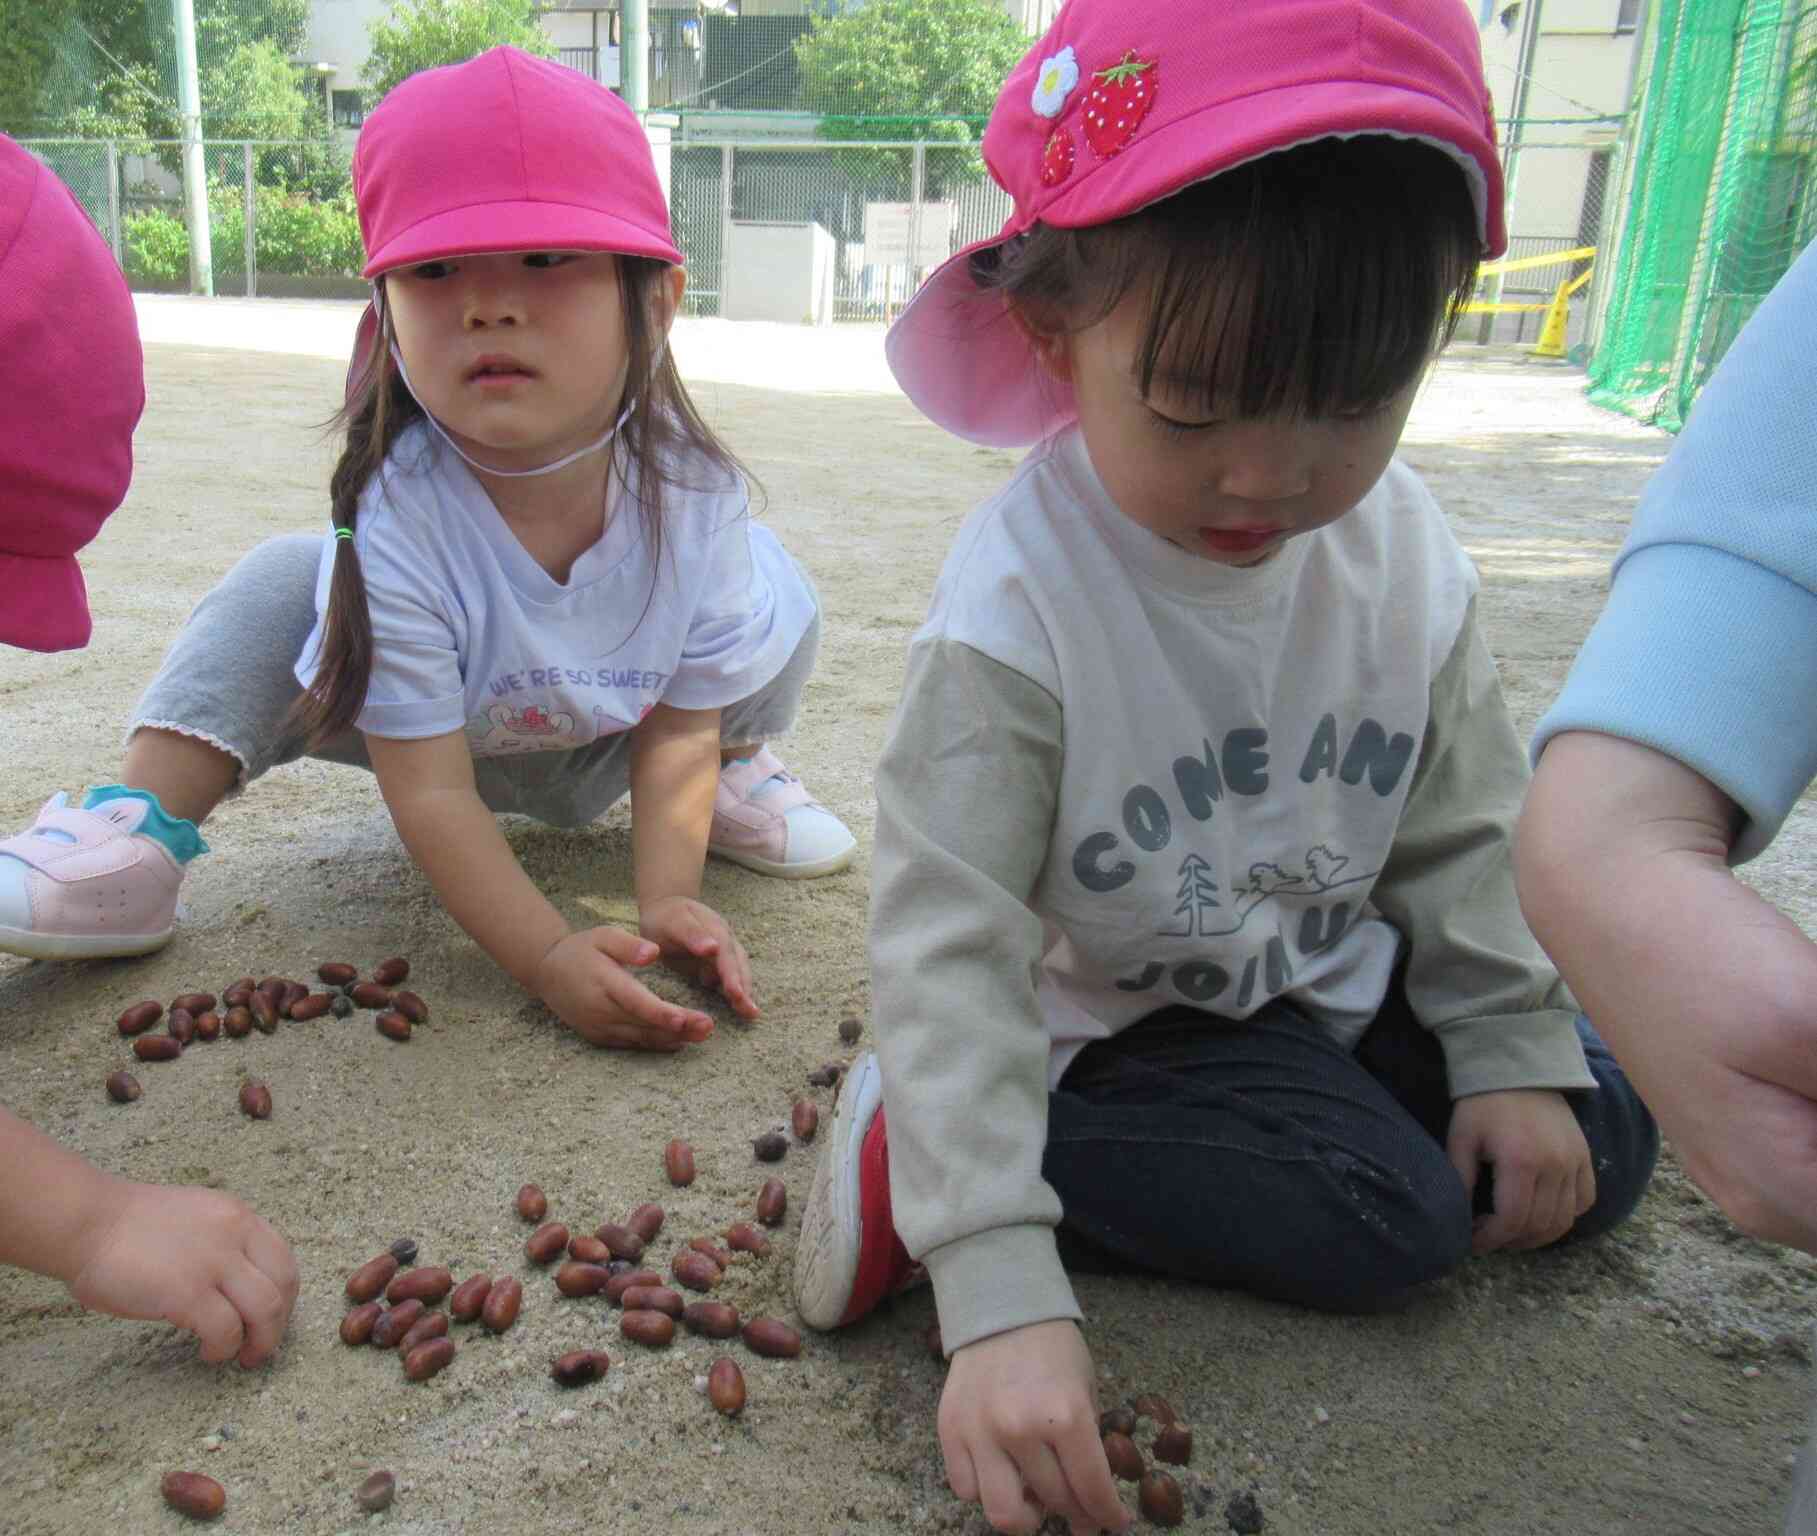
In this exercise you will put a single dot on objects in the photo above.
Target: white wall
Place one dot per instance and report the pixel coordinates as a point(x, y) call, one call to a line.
point(337, 35)
point(1580, 69)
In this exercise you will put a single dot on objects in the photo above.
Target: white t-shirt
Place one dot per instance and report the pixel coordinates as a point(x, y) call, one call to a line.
point(470, 632)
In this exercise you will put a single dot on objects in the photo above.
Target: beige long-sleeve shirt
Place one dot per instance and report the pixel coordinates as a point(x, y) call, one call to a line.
point(1122, 778)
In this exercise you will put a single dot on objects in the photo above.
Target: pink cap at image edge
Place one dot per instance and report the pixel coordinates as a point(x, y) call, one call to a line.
point(69, 339)
point(1119, 107)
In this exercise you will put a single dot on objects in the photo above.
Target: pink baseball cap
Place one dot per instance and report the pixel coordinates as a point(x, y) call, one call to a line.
point(506, 152)
point(1124, 104)
point(75, 388)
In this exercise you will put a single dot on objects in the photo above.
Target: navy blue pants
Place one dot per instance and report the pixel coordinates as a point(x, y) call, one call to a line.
point(1261, 1157)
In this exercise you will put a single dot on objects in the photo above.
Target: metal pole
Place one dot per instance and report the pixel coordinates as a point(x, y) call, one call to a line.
point(251, 222)
point(634, 55)
point(1517, 107)
point(113, 202)
point(917, 191)
point(725, 221)
point(195, 178)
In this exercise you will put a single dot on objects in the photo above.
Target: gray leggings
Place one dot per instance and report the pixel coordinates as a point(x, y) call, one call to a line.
point(228, 680)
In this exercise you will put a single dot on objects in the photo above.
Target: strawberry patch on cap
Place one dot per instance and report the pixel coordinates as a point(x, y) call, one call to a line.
point(1116, 105)
point(1057, 158)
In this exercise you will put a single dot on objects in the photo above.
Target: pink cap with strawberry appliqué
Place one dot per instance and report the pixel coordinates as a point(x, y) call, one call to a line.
point(1122, 105)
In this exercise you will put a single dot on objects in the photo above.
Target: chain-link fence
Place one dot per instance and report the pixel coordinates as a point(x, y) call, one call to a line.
point(800, 230)
point(796, 230)
point(823, 232)
point(281, 215)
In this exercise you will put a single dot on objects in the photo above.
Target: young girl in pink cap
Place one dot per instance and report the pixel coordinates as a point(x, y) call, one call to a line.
point(69, 344)
point(542, 586)
point(1194, 938)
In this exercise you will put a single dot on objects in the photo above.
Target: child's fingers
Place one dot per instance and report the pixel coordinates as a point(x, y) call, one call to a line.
point(637, 1004)
point(271, 1255)
point(1003, 1493)
point(215, 1321)
point(261, 1309)
point(735, 980)
point(625, 948)
point(1093, 1490)
point(1053, 1490)
point(1514, 1190)
point(961, 1475)
point(1584, 1187)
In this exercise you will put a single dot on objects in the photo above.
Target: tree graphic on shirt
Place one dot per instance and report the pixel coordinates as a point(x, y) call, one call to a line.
point(1198, 893)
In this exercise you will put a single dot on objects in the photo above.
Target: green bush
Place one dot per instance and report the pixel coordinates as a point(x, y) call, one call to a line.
point(156, 246)
point(293, 235)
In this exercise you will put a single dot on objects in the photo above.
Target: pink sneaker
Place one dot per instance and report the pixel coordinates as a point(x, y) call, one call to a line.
point(764, 819)
point(85, 885)
point(848, 1257)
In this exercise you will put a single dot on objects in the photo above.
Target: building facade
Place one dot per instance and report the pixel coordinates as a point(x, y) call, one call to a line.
point(1578, 87)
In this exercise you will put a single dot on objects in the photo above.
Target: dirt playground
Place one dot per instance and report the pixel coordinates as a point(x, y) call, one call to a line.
point(1656, 1381)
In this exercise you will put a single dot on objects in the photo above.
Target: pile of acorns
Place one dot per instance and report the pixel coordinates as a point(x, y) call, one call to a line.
point(604, 1262)
point(247, 1005)
point(1157, 1493)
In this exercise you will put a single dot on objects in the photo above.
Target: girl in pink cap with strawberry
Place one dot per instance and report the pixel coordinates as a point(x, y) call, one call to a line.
point(1194, 938)
point(542, 586)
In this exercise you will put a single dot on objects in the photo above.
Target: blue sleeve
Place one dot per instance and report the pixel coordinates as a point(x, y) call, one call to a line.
point(1707, 648)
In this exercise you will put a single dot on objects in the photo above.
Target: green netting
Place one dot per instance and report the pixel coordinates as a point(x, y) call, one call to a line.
point(1721, 199)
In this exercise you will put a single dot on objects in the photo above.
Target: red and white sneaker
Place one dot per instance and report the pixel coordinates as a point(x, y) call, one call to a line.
point(848, 1257)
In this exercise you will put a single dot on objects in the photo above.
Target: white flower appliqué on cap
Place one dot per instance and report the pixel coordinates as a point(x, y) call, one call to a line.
point(1057, 80)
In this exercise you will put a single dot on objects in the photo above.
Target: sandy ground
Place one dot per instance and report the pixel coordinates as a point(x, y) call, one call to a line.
point(1654, 1381)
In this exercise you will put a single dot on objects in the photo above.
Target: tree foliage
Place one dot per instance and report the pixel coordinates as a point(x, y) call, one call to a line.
point(909, 69)
point(909, 60)
point(422, 34)
point(108, 68)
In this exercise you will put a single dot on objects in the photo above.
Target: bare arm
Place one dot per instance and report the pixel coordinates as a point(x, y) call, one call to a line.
point(674, 773)
point(429, 789)
point(51, 1200)
point(198, 1258)
point(674, 777)
point(1706, 994)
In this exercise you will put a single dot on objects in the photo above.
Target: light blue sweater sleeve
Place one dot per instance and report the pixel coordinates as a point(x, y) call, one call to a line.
point(1707, 648)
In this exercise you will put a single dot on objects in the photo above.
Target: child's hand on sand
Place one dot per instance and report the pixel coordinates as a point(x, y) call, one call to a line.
point(1543, 1177)
point(698, 942)
point(1019, 1429)
point(194, 1257)
point(586, 979)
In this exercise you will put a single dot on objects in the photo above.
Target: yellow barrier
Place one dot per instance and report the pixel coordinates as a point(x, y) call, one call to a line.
point(1551, 341)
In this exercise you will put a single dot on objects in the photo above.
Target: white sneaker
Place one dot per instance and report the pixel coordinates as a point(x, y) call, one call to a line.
point(765, 819)
point(87, 885)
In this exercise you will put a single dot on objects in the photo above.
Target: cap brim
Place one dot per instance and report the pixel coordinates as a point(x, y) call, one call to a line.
point(43, 603)
point(491, 228)
point(959, 355)
point(365, 338)
point(970, 368)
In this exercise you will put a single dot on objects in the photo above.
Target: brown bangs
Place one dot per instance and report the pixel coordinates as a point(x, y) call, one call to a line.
point(1315, 282)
